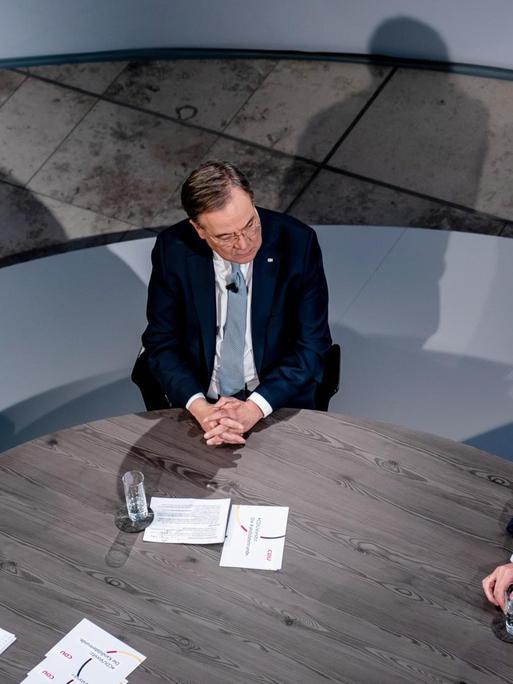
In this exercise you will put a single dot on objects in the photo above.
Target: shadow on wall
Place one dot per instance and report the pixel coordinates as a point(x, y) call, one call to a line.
point(392, 377)
point(68, 405)
point(416, 39)
point(27, 224)
point(382, 329)
point(23, 218)
point(51, 353)
point(420, 128)
point(426, 338)
point(394, 380)
point(74, 329)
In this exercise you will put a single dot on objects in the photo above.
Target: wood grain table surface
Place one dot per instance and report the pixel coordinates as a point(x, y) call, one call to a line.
point(390, 532)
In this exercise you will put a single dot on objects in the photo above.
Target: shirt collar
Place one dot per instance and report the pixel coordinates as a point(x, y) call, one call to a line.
point(225, 266)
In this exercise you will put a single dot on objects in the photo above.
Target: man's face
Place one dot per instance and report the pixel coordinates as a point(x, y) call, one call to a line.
point(233, 231)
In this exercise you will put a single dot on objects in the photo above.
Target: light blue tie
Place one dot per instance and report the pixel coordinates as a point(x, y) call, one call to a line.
point(231, 370)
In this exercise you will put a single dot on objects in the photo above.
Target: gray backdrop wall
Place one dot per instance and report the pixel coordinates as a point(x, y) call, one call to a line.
point(467, 31)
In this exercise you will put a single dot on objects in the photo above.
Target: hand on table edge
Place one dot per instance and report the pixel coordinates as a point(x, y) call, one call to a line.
point(496, 583)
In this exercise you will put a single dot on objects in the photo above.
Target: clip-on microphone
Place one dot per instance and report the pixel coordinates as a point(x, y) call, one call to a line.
point(232, 287)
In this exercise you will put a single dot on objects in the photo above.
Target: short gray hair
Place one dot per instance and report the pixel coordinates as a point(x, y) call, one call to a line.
point(208, 187)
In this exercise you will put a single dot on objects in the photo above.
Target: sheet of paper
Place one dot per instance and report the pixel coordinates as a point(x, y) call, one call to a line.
point(6, 639)
point(255, 537)
point(94, 653)
point(188, 521)
point(58, 672)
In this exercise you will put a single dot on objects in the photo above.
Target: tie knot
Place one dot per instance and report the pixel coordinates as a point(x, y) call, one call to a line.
point(235, 267)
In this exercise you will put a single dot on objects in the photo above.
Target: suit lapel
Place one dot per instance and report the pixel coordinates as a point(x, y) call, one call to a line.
point(202, 285)
point(265, 273)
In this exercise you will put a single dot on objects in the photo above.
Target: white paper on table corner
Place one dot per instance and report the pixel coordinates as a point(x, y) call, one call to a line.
point(6, 639)
point(255, 537)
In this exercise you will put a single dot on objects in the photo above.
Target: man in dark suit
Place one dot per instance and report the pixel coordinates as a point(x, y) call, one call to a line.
point(237, 307)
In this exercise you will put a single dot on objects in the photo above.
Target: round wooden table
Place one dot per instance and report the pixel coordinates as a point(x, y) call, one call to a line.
point(389, 534)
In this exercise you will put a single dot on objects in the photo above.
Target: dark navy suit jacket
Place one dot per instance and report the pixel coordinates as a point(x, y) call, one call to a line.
point(289, 312)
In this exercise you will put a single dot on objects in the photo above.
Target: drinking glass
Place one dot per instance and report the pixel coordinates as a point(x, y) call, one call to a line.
point(137, 507)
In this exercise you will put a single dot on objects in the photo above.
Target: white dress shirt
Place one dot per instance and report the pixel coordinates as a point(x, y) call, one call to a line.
point(223, 272)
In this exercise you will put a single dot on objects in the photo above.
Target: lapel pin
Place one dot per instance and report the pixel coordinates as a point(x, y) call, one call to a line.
point(270, 260)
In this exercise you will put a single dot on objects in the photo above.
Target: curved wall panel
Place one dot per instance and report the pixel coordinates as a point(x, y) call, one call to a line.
point(424, 318)
point(465, 31)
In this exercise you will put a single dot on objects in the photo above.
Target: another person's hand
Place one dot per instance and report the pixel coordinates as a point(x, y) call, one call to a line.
point(209, 416)
point(497, 582)
point(245, 413)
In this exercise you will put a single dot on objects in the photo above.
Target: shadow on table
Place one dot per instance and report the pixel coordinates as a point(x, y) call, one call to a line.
point(176, 461)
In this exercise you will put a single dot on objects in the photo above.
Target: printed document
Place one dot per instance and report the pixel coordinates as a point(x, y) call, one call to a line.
point(188, 521)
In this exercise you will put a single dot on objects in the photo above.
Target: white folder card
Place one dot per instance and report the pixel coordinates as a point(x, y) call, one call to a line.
point(91, 655)
point(255, 537)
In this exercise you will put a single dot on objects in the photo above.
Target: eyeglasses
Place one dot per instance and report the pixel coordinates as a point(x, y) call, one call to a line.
point(248, 233)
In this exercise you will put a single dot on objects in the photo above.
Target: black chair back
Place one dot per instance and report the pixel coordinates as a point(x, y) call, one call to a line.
point(330, 382)
point(152, 393)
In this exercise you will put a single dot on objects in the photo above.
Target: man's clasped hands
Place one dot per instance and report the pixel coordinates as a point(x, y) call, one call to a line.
point(226, 421)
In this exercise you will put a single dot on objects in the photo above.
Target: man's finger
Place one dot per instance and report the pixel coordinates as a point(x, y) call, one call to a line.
point(206, 426)
point(226, 438)
point(215, 416)
point(488, 585)
point(219, 430)
point(231, 410)
point(223, 427)
point(223, 400)
point(500, 590)
point(215, 441)
point(228, 401)
point(231, 423)
point(209, 419)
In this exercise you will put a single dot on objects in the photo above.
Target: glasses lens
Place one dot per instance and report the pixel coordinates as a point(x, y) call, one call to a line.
point(247, 233)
